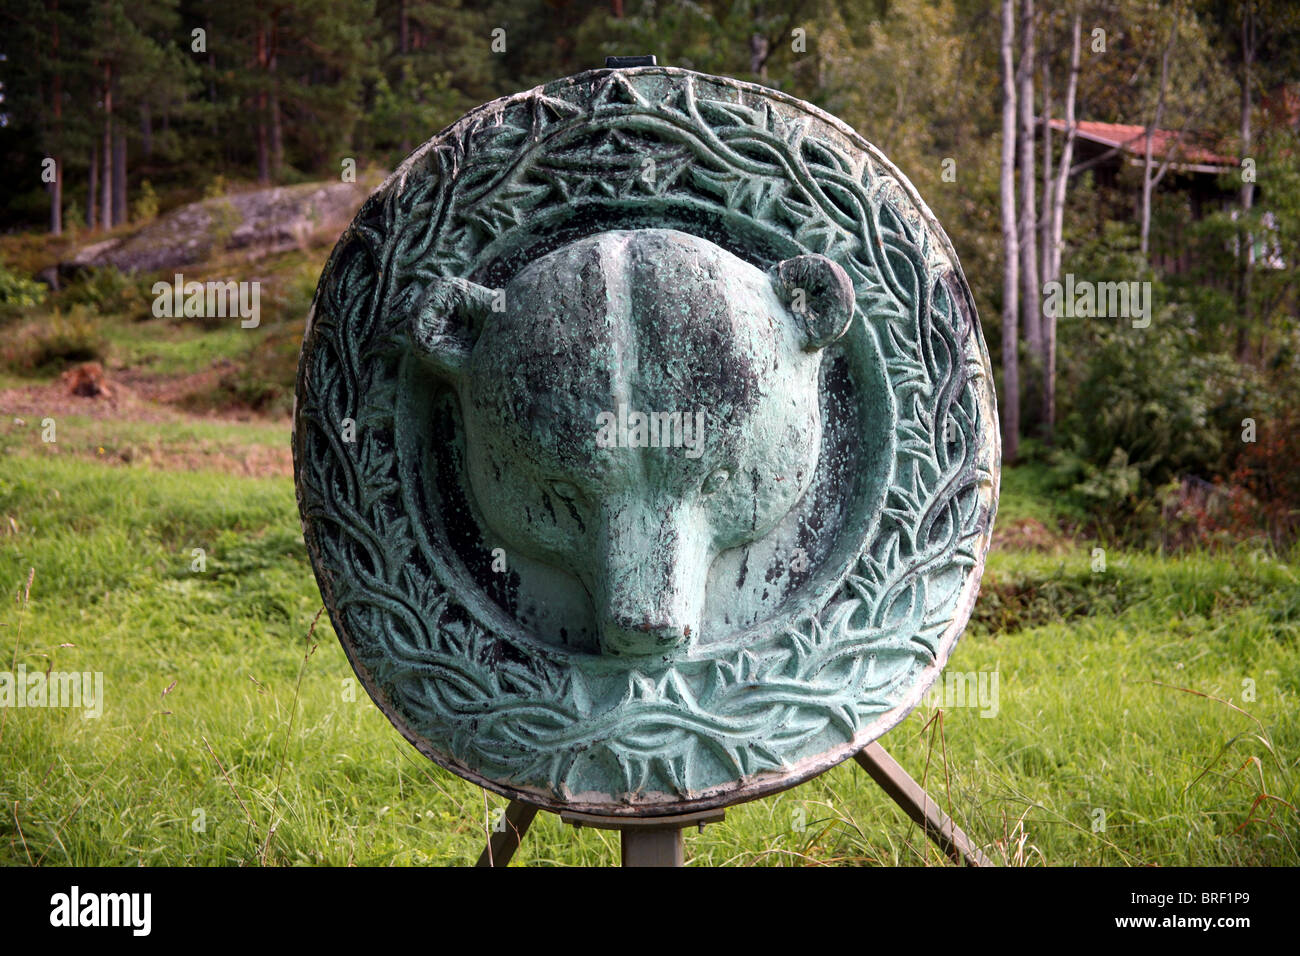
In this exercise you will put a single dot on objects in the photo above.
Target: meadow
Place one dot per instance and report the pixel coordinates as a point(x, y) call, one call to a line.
point(1146, 713)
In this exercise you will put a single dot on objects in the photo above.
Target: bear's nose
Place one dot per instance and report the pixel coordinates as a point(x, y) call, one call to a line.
point(643, 637)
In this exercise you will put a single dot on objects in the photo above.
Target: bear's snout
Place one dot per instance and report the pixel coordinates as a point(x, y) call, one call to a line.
point(649, 588)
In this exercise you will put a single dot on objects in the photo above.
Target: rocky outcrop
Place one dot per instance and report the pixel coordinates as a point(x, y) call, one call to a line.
point(262, 222)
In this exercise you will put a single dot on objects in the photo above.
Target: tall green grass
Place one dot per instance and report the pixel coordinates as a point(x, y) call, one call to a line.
point(234, 734)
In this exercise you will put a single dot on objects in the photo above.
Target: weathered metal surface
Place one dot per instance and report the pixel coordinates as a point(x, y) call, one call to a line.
point(550, 584)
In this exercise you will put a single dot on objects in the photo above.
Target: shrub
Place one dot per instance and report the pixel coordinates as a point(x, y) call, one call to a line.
point(52, 341)
point(18, 293)
point(216, 187)
point(1148, 408)
point(263, 381)
point(225, 220)
point(108, 292)
point(145, 208)
point(1143, 410)
point(287, 298)
point(1268, 472)
point(1197, 514)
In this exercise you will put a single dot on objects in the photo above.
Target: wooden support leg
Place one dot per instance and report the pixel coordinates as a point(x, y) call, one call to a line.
point(503, 843)
point(907, 793)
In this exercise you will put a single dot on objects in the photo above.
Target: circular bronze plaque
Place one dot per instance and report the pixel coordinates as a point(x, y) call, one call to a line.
point(645, 444)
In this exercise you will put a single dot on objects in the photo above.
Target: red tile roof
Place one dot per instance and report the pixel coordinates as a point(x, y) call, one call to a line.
point(1132, 139)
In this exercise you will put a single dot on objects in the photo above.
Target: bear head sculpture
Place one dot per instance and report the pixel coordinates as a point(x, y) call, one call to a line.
point(635, 403)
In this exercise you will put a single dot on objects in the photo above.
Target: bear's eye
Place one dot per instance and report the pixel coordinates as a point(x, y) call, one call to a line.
point(715, 481)
point(565, 490)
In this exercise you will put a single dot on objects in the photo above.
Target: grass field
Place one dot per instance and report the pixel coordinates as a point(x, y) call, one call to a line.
point(1146, 714)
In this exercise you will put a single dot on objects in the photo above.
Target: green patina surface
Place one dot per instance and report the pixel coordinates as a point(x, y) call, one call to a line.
point(645, 443)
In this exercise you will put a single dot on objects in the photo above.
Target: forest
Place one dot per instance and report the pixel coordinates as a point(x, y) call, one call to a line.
point(117, 111)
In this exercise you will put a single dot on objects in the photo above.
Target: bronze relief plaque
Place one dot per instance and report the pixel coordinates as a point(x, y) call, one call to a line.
point(645, 444)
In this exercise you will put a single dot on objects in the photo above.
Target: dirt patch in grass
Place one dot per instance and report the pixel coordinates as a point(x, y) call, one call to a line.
point(251, 461)
point(1009, 605)
point(1028, 534)
point(53, 400)
point(22, 411)
point(138, 395)
point(179, 390)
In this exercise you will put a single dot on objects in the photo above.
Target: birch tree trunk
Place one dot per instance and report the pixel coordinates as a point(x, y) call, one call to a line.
point(1060, 183)
point(1010, 246)
point(1045, 220)
point(1031, 290)
point(1246, 241)
point(1052, 255)
point(1148, 176)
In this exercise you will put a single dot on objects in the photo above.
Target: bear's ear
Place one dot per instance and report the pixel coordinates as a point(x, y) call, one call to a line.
point(819, 293)
point(446, 320)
